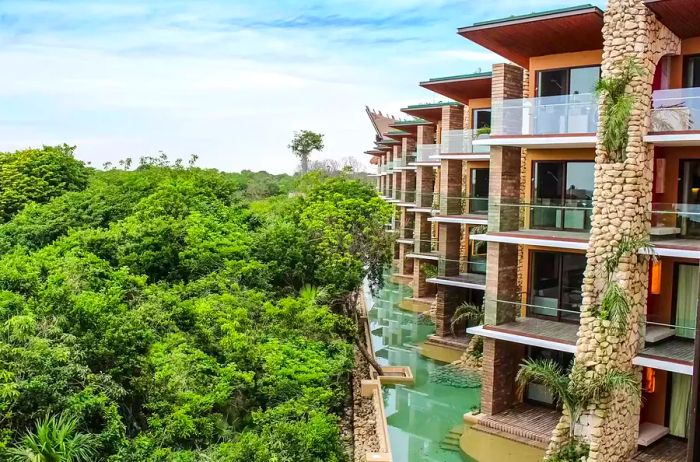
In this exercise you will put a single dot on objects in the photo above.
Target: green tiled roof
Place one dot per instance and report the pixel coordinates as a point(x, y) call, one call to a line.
point(388, 141)
point(396, 132)
point(411, 122)
point(475, 75)
point(432, 105)
point(534, 15)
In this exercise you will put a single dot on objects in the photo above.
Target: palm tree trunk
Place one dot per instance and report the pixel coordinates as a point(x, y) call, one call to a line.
point(304, 163)
point(368, 356)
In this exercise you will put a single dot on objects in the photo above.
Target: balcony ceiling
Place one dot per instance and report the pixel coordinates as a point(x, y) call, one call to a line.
point(681, 16)
point(519, 38)
point(398, 135)
point(461, 88)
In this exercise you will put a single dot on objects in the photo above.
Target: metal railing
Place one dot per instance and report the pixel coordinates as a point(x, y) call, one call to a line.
point(550, 115)
point(676, 110)
point(461, 142)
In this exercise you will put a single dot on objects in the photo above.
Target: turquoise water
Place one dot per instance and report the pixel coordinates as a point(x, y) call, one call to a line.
point(419, 416)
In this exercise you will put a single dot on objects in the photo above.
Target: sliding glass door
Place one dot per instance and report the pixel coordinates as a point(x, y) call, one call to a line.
point(555, 285)
point(562, 195)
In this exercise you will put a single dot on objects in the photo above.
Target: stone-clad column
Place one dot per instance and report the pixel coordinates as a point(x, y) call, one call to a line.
point(621, 198)
point(501, 359)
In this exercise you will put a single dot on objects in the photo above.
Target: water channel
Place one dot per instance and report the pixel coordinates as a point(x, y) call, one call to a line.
point(426, 419)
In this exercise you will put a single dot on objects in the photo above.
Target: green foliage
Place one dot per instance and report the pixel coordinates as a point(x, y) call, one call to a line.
point(467, 313)
point(617, 107)
point(429, 271)
point(303, 144)
point(55, 439)
point(576, 395)
point(572, 451)
point(38, 175)
point(181, 314)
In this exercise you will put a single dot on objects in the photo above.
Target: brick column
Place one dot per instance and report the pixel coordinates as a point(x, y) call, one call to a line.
point(408, 186)
point(425, 134)
point(501, 359)
point(397, 184)
point(500, 365)
point(408, 145)
point(447, 300)
point(425, 180)
point(451, 187)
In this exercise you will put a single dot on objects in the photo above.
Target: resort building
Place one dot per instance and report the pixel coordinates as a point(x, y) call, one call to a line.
point(513, 193)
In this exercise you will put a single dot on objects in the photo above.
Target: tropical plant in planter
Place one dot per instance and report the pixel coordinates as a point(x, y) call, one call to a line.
point(617, 108)
point(466, 313)
point(575, 396)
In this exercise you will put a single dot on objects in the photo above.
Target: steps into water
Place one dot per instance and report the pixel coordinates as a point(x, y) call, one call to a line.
point(451, 441)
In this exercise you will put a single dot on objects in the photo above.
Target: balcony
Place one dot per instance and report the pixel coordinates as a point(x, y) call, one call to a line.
point(465, 210)
point(464, 273)
point(403, 163)
point(406, 198)
point(565, 121)
point(675, 118)
point(458, 144)
point(426, 203)
point(425, 249)
point(426, 154)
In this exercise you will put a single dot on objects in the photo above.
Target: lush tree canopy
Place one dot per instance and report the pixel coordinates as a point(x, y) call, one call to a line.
point(164, 310)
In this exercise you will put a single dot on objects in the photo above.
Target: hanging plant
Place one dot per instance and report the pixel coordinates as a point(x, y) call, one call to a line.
point(617, 108)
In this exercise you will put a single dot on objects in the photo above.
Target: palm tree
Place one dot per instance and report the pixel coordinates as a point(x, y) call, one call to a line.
point(303, 144)
point(467, 312)
point(55, 439)
point(575, 396)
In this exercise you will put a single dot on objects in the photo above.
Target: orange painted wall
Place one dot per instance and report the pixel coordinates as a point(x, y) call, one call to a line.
point(654, 404)
point(562, 60)
point(690, 46)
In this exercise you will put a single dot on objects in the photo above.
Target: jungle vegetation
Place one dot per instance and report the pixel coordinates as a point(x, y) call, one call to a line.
point(173, 313)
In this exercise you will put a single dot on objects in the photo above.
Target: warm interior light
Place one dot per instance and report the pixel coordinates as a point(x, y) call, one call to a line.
point(656, 278)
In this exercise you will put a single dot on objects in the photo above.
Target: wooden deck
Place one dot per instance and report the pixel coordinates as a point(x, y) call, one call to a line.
point(669, 449)
point(525, 423)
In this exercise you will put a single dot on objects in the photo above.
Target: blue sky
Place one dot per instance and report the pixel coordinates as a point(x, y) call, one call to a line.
point(227, 80)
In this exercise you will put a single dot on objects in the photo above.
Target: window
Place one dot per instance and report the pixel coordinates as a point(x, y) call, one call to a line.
point(689, 196)
point(692, 72)
point(481, 118)
point(476, 256)
point(562, 195)
point(479, 190)
point(555, 284)
point(572, 81)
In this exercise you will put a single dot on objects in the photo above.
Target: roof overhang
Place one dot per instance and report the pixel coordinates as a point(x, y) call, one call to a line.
point(410, 126)
point(374, 152)
point(680, 16)
point(519, 38)
point(398, 134)
point(461, 88)
point(430, 112)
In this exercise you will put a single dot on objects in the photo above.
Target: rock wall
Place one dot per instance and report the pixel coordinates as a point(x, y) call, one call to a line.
point(622, 200)
point(364, 413)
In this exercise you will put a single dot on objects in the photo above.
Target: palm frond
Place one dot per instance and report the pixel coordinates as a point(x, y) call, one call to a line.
point(612, 381)
point(547, 373)
point(467, 312)
point(615, 306)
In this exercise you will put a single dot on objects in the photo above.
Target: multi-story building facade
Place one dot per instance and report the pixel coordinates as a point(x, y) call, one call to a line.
point(520, 151)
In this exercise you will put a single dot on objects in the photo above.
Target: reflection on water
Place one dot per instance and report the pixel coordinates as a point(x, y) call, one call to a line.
point(421, 416)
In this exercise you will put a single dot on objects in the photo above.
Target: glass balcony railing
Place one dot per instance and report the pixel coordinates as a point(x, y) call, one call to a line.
point(426, 152)
point(460, 206)
point(676, 110)
point(426, 246)
point(406, 233)
point(546, 214)
point(428, 200)
point(476, 265)
point(675, 220)
point(402, 162)
point(407, 196)
point(460, 142)
point(550, 115)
